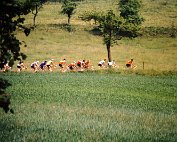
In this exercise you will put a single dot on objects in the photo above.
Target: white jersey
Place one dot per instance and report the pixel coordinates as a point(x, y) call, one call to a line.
point(101, 62)
point(19, 64)
point(110, 63)
point(35, 63)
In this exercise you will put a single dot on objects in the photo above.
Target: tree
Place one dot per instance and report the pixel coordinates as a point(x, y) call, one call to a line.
point(36, 6)
point(93, 15)
point(110, 25)
point(113, 27)
point(11, 20)
point(68, 7)
point(129, 10)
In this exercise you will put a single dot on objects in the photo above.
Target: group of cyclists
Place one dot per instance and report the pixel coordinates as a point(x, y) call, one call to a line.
point(49, 65)
point(79, 65)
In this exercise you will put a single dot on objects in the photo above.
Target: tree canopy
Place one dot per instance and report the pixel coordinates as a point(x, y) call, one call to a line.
point(10, 20)
point(110, 25)
point(11, 12)
point(68, 8)
point(36, 5)
point(129, 10)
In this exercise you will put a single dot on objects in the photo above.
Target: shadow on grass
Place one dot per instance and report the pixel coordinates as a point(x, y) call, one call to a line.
point(11, 131)
point(95, 31)
point(5, 97)
point(62, 26)
point(7, 129)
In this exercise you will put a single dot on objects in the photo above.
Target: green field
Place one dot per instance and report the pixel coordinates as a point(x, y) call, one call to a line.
point(90, 107)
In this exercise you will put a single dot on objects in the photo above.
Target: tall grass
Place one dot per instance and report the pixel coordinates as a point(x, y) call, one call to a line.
point(90, 107)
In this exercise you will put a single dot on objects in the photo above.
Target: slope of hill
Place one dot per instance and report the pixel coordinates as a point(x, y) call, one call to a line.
point(51, 40)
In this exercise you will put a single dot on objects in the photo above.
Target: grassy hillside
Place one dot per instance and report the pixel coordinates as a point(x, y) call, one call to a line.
point(161, 13)
point(90, 107)
point(51, 40)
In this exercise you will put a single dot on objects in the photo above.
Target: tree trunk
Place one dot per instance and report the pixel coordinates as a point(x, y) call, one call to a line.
point(34, 20)
point(108, 45)
point(35, 15)
point(69, 17)
point(109, 52)
point(69, 26)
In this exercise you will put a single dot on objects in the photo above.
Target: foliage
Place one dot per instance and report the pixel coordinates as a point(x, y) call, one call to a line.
point(4, 97)
point(110, 26)
point(10, 20)
point(129, 10)
point(5, 103)
point(68, 8)
point(36, 5)
point(93, 15)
